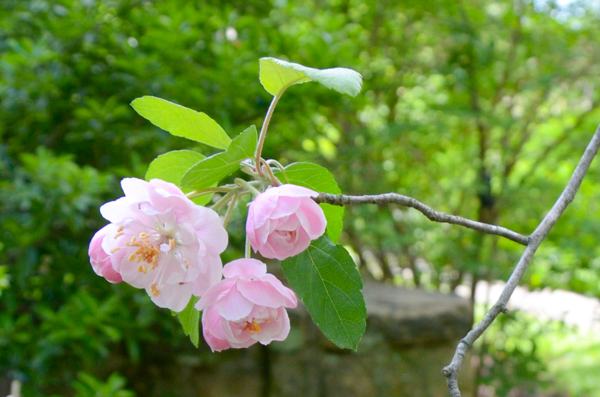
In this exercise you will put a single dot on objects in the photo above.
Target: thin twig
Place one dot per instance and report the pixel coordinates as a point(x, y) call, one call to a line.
point(451, 371)
point(436, 216)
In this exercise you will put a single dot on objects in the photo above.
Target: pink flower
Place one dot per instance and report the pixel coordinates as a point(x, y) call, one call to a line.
point(283, 220)
point(161, 241)
point(248, 306)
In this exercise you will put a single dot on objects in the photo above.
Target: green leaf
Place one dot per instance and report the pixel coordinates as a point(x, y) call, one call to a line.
point(277, 75)
point(181, 121)
point(171, 166)
point(319, 179)
point(327, 280)
point(190, 320)
point(214, 168)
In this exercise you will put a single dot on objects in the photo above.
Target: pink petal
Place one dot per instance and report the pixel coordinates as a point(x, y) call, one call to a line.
point(212, 232)
point(262, 233)
point(100, 260)
point(135, 190)
point(163, 200)
point(276, 329)
point(95, 250)
point(214, 293)
point(110, 242)
point(172, 296)
point(312, 218)
point(116, 211)
point(284, 331)
point(259, 293)
point(131, 275)
point(235, 335)
point(168, 186)
point(250, 232)
point(212, 330)
point(245, 268)
point(283, 250)
point(290, 223)
point(285, 207)
point(295, 191)
point(262, 207)
point(233, 306)
point(291, 300)
point(212, 269)
point(267, 251)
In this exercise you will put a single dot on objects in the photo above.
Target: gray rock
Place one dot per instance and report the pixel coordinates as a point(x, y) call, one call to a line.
point(411, 335)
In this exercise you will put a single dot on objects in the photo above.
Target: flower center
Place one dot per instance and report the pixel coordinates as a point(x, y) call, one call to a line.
point(287, 235)
point(145, 252)
point(252, 327)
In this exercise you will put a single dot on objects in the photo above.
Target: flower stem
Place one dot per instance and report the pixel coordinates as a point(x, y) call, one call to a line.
point(201, 192)
point(278, 165)
point(272, 177)
point(263, 131)
point(248, 250)
point(242, 183)
point(229, 210)
point(217, 206)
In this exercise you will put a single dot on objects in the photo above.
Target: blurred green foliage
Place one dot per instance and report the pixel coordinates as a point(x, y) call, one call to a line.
point(89, 386)
point(523, 354)
point(479, 108)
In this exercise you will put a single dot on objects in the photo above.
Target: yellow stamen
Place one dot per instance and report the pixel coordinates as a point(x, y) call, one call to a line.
point(119, 234)
point(252, 327)
point(153, 290)
point(120, 229)
point(144, 252)
point(143, 235)
point(172, 243)
point(112, 251)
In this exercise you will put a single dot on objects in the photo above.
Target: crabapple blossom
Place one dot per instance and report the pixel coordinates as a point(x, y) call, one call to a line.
point(248, 306)
point(161, 241)
point(283, 220)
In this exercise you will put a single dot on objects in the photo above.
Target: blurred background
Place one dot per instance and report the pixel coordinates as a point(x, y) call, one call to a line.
point(480, 108)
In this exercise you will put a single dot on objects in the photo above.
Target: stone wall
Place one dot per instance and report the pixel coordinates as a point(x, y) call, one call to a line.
point(411, 335)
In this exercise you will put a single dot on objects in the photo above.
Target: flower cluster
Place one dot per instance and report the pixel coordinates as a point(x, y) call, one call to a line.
point(159, 240)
